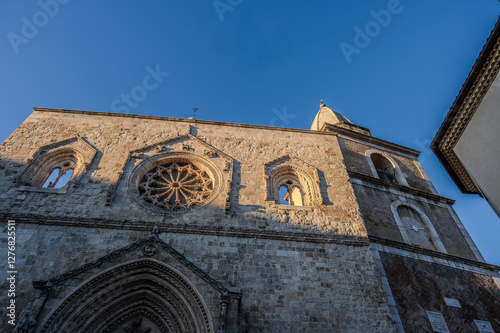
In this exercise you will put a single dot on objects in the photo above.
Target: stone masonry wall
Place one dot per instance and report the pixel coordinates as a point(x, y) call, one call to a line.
point(355, 160)
point(375, 205)
point(299, 269)
point(285, 286)
point(115, 137)
point(424, 286)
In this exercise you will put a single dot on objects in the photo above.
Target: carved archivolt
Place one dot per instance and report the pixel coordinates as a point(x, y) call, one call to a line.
point(174, 182)
point(125, 294)
point(73, 154)
point(293, 174)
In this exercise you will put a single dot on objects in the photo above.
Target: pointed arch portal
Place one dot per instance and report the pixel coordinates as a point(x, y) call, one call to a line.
point(140, 296)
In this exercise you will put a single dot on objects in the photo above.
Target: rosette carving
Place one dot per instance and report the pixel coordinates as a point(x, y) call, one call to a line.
point(175, 186)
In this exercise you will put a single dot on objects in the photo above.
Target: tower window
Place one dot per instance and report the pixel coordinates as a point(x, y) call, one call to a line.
point(385, 169)
point(417, 231)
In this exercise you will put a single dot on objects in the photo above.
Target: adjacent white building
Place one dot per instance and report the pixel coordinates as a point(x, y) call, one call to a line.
point(468, 142)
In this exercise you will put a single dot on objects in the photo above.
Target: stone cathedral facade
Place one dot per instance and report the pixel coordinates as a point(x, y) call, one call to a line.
point(138, 224)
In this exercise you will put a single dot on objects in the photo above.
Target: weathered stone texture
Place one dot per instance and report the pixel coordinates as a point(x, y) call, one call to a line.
point(298, 269)
point(375, 209)
point(419, 286)
point(285, 286)
point(375, 206)
point(115, 137)
point(277, 268)
point(355, 160)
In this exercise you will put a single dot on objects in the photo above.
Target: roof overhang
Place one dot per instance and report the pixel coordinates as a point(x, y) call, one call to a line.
point(469, 98)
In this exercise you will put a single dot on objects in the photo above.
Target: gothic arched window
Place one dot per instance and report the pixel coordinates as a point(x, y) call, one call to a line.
point(56, 166)
point(291, 181)
point(54, 170)
point(60, 175)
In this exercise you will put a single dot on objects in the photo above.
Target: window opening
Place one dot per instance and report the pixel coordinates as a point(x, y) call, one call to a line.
point(385, 170)
point(52, 178)
point(291, 194)
point(58, 178)
point(285, 197)
point(297, 197)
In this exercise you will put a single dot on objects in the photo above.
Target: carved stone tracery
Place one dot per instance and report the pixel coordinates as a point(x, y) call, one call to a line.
point(292, 173)
point(175, 185)
point(174, 182)
point(74, 154)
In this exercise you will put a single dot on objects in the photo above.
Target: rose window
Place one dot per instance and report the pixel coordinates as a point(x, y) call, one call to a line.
point(175, 186)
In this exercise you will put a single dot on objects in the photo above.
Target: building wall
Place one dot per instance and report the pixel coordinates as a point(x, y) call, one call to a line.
point(478, 149)
point(376, 198)
point(115, 137)
point(356, 161)
point(425, 285)
point(375, 205)
point(298, 269)
point(310, 268)
point(286, 286)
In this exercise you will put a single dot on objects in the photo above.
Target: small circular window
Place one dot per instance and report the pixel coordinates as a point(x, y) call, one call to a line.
point(173, 183)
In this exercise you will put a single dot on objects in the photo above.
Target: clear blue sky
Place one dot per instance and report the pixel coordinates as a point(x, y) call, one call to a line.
point(254, 62)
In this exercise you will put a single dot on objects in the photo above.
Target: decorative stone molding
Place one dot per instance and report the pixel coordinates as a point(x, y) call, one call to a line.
point(181, 228)
point(365, 180)
point(297, 173)
point(175, 185)
point(417, 252)
point(463, 109)
point(433, 233)
point(115, 297)
point(162, 294)
point(201, 160)
point(174, 182)
point(74, 153)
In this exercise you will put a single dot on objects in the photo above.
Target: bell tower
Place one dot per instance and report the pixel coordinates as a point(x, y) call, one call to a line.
point(431, 269)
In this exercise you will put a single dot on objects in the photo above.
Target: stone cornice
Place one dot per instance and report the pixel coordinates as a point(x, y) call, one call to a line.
point(474, 89)
point(292, 236)
point(331, 129)
point(435, 254)
point(369, 139)
point(401, 188)
point(180, 120)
